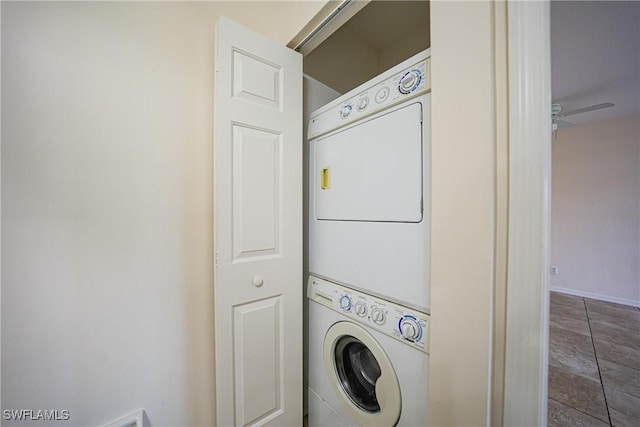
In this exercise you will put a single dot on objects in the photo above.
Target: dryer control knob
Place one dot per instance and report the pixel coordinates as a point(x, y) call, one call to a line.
point(382, 94)
point(378, 316)
point(409, 82)
point(345, 302)
point(345, 111)
point(410, 329)
point(363, 103)
point(361, 309)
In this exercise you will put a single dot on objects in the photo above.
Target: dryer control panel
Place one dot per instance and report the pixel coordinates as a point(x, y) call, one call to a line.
point(407, 79)
point(402, 323)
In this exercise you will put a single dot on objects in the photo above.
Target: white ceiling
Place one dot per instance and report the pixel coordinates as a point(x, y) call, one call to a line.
point(595, 57)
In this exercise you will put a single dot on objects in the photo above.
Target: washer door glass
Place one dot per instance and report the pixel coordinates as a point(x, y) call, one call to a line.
point(358, 371)
point(362, 375)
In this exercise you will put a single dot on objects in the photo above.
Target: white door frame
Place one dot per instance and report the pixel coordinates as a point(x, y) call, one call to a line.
point(527, 340)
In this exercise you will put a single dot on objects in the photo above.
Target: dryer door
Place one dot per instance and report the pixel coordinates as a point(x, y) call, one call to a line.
point(362, 375)
point(371, 171)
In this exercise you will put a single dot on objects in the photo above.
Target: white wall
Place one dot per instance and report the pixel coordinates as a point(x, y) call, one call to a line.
point(315, 95)
point(107, 237)
point(595, 234)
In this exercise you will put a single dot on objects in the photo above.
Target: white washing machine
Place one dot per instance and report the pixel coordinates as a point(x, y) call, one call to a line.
point(368, 359)
point(370, 167)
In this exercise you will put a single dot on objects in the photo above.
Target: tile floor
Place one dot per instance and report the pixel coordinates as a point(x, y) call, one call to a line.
point(594, 363)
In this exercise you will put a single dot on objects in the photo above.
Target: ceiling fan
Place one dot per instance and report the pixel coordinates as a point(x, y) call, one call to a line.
point(557, 114)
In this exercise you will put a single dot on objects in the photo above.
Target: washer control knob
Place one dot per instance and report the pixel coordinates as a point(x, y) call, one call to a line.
point(410, 81)
point(378, 316)
point(410, 328)
point(363, 103)
point(360, 309)
point(345, 302)
point(345, 111)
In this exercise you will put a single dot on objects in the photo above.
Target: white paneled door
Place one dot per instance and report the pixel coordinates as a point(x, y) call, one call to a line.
point(258, 229)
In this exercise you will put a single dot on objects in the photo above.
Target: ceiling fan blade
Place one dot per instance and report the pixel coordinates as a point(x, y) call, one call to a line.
point(563, 124)
point(586, 109)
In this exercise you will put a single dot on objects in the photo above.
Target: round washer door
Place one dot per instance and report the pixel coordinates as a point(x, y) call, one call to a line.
point(362, 375)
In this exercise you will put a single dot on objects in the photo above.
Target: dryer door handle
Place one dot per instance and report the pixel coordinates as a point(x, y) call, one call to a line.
point(325, 178)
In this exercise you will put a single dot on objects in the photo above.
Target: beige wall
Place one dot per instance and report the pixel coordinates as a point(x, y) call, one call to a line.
point(107, 237)
point(595, 234)
point(345, 60)
point(342, 62)
point(106, 205)
point(463, 211)
point(404, 48)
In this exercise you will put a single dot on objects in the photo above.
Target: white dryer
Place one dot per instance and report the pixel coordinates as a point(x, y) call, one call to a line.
point(370, 167)
point(368, 359)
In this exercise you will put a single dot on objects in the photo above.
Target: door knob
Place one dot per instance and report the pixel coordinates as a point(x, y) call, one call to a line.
point(257, 281)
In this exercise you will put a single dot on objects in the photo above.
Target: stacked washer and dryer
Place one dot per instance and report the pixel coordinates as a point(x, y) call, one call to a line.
point(369, 234)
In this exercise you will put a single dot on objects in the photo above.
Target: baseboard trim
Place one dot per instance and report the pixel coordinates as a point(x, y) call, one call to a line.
point(623, 301)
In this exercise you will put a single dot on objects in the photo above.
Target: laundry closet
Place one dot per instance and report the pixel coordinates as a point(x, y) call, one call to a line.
point(386, 202)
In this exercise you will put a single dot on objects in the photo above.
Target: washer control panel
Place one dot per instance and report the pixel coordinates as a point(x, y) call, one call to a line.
point(402, 323)
point(403, 81)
